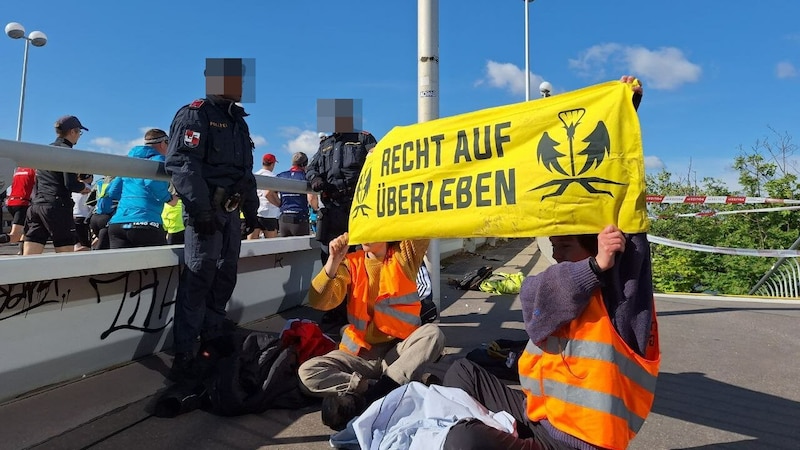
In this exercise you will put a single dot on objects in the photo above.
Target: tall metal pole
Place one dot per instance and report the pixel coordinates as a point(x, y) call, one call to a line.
point(527, 54)
point(428, 104)
point(22, 90)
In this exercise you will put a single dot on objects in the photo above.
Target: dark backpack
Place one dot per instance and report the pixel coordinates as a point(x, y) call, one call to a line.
point(262, 375)
point(471, 281)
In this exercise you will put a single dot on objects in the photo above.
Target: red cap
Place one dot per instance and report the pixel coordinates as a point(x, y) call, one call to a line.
point(268, 158)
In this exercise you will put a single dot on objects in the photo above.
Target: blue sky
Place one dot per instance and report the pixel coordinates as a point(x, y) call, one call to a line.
point(717, 74)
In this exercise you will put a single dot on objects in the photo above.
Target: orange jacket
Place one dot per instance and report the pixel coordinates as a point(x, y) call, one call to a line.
point(395, 311)
point(587, 382)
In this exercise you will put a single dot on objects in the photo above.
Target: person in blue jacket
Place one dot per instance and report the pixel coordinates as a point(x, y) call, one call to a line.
point(104, 208)
point(137, 221)
point(210, 160)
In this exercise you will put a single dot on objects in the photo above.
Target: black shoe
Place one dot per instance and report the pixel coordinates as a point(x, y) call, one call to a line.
point(338, 410)
point(183, 368)
point(428, 379)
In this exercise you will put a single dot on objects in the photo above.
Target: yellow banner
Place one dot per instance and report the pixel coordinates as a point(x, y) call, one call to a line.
point(567, 164)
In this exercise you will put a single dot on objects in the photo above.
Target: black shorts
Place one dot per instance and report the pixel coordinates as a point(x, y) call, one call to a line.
point(18, 213)
point(268, 224)
point(46, 220)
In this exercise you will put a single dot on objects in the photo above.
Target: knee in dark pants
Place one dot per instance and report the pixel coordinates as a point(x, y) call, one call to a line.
point(458, 373)
point(470, 434)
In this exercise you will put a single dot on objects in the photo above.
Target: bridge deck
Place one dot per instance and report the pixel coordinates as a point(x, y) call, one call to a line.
point(728, 379)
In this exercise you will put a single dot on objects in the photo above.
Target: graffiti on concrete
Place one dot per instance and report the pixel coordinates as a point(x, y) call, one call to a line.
point(145, 300)
point(20, 298)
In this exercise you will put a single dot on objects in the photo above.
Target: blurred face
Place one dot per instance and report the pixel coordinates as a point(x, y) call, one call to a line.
point(376, 248)
point(227, 86)
point(566, 248)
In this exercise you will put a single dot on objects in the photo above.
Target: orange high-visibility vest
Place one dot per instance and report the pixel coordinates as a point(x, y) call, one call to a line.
point(395, 311)
point(587, 382)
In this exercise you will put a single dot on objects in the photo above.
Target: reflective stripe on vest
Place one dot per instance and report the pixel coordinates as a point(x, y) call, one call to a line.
point(587, 382)
point(395, 310)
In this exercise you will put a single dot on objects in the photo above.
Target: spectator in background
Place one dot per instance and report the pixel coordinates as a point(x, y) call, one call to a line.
point(50, 213)
point(294, 207)
point(80, 214)
point(137, 222)
point(18, 202)
point(172, 216)
point(267, 212)
point(104, 208)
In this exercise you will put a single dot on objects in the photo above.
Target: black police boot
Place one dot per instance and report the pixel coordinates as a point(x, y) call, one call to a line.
point(183, 368)
point(338, 410)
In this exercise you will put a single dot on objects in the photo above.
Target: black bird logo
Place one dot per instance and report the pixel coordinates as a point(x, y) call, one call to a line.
point(598, 146)
point(361, 194)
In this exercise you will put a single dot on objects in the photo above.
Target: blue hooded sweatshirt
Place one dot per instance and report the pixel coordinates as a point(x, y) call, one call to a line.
point(140, 199)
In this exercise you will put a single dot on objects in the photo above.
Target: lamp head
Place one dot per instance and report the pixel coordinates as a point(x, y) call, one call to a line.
point(15, 30)
point(37, 38)
point(545, 88)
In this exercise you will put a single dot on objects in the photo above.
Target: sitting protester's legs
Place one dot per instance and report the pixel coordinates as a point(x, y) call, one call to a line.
point(337, 372)
point(495, 396)
point(403, 363)
point(486, 388)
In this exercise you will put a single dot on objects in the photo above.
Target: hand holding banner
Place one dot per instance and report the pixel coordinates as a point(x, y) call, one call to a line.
point(566, 164)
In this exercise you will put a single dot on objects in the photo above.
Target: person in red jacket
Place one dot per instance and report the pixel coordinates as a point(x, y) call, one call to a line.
point(18, 202)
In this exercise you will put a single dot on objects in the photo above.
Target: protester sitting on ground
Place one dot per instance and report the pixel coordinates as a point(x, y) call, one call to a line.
point(589, 370)
point(50, 213)
point(137, 222)
point(80, 214)
point(18, 202)
point(385, 345)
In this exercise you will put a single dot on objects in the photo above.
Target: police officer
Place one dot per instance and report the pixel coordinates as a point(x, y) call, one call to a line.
point(210, 160)
point(333, 172)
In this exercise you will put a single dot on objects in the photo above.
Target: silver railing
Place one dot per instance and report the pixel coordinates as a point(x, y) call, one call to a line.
point(782, 279)
point(63, 159)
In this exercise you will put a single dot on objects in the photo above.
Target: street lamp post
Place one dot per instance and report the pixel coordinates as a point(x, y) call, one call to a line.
point(38, 39)
point(527, 54)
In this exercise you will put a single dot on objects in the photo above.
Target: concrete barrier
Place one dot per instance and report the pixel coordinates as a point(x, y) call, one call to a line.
point(63, 316)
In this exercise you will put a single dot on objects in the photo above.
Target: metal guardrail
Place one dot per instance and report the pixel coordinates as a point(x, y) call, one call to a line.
point(75, 160)
point(782, 279)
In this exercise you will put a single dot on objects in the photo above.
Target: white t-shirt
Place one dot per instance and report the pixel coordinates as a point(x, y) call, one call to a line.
point(80, 209)
point(266, 209)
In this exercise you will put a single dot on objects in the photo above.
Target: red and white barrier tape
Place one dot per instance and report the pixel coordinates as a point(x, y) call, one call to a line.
point(718, 199)
point(723, 250)
point(722, 213)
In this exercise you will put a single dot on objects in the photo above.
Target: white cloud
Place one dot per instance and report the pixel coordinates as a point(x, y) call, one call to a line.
point(510, 77)
point(306, 141)
point(785, 69)
point(665, 68)
point(653, 163)
point(112, 146)
point(258, 140)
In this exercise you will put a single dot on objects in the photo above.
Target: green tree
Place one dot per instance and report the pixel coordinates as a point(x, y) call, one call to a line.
point(767, 169)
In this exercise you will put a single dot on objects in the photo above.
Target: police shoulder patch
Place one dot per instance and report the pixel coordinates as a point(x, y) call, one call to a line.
point(197, 103)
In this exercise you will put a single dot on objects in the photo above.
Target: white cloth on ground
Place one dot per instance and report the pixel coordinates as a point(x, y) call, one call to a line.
point(416, 417)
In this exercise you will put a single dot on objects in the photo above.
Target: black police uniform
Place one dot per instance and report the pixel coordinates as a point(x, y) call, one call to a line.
point(210, 160)
point(334, 172)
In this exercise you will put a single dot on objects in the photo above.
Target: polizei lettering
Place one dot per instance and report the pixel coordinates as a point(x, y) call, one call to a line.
point(479, 190)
